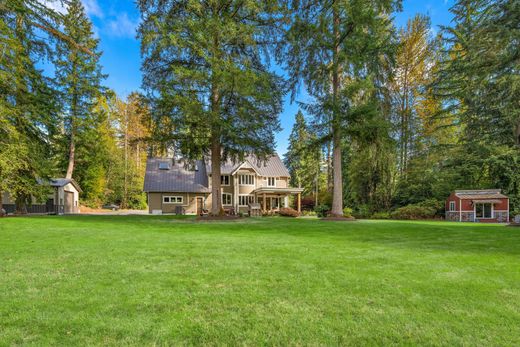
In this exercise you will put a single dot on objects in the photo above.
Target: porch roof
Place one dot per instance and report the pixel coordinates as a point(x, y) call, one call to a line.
point(486, 201)
point(275, 190)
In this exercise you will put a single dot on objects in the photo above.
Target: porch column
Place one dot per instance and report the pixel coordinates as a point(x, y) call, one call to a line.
point(286, 201)
point(299, 203)
point(265, 203)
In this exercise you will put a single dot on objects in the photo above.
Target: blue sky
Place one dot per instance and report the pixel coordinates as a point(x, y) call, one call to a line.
point(115, 23)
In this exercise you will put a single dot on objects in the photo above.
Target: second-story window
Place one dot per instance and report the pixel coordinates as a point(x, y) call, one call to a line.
point(224, 180)
point(271, 181)
point(246, 180)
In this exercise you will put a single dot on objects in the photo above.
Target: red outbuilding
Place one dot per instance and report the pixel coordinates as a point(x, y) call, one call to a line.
point(485, 206)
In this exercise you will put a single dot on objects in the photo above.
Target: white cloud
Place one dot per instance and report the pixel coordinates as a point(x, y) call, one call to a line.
point(92, 8)
point(122, 26)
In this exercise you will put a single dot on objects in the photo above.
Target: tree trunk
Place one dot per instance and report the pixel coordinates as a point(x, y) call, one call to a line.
point(216, 152)
point(337, 190)
point(72, 150)
point(73, 115)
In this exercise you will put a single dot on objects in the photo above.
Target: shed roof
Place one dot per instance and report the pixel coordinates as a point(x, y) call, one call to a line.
point(481, 194)
point(60, 182)
point(179, 177)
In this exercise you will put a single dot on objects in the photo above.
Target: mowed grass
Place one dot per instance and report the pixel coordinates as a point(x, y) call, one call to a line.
point(159, 280)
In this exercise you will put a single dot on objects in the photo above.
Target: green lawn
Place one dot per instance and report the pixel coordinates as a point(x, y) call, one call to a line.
point(144, 280)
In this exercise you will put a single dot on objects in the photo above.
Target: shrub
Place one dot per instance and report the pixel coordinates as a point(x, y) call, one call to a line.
point(288, 212)
point(322, 210)
point(347, 212)
point(381, 215)
point(414, 211)
point(309, 213)
point(362, 211)
point(308, 202)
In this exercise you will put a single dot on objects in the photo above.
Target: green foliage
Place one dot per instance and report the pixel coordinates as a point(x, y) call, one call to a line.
point(322, 210)
point(347, 212)
point(303, 158)
point(381, 215)
point(425, 210)
point(362, 211)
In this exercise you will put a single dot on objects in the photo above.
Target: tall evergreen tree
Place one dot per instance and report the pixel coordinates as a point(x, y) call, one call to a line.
point(205, 64)
point(328, 46)
point(78, 74)
point(303, 157)
point(28, 107)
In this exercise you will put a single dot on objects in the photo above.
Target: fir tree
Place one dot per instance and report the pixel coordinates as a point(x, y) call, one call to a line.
point(303, 157)
point(330, 44)
point(205, 66)
point(78, 75)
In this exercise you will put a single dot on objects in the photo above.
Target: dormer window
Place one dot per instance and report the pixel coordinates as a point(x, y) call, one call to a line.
point(271, 181)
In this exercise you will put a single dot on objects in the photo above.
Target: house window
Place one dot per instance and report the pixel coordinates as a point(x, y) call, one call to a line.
point(452, 205)
point(246, 180)
point(245, 200)
point(226, 198)
point(224, 180)
point(483, 210)
point(271, 181)
point(172, 199)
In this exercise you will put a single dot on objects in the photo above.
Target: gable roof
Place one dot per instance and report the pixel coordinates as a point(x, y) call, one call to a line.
point(480, 194)
point(272, 166)
point(60, 182)
point(178, 178)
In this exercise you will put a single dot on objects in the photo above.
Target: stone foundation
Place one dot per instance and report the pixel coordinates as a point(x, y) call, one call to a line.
point(501, 217)
point(467, 217)
point(452, 216)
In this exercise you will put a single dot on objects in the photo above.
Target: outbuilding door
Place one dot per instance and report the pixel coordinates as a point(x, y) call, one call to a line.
point(69, 202)
point(200, 205)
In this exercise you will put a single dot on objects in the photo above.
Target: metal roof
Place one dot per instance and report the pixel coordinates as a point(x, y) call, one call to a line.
point(272, 166)
point(480, 194)
point(179, 178)
point(60, 182)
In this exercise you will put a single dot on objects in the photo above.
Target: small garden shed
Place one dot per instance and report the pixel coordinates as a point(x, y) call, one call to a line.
point(484, 205)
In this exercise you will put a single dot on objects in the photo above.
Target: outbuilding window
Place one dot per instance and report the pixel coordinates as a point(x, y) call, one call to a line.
point(452, 205)
point(172, 199)
point(483, 210)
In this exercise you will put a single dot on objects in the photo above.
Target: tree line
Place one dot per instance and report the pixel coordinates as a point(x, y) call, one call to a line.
point(56, 117)
point(395, 116)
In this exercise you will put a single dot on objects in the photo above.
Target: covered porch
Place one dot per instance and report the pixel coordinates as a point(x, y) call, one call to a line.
point(271, 199)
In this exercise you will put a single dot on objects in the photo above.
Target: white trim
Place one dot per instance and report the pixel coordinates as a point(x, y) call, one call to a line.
point(176, 197)
point(253, 200)
point(231, 199)
point(240, 166)
point(244, 174)
point(229, 180)
point(483, 210)
point(454, 208)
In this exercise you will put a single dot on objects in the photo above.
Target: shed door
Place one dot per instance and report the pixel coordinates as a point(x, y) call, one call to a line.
point(69, 202)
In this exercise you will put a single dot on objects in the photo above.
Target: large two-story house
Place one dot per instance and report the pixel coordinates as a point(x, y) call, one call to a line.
point(175, 186)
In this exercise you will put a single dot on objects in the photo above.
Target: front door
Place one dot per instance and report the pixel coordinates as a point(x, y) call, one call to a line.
point(200, 205)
